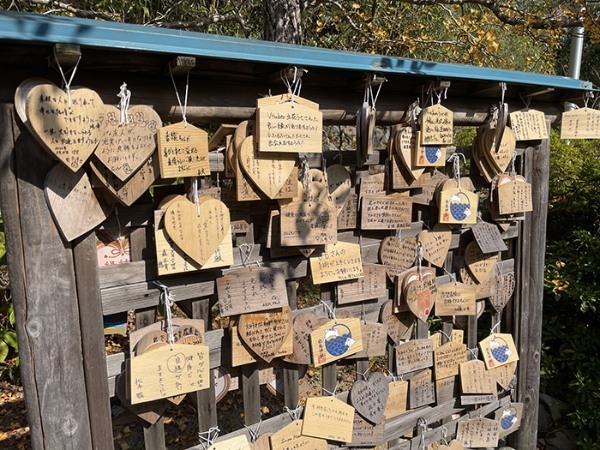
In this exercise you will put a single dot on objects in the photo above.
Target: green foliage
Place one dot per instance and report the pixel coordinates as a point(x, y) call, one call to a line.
point(571, 359)
point(9, 348)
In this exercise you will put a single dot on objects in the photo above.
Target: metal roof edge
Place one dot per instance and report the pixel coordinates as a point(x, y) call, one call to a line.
point(29, 27)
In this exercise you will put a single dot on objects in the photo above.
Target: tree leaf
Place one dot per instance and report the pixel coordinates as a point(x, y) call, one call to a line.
point(10, 337)
point(3, 351)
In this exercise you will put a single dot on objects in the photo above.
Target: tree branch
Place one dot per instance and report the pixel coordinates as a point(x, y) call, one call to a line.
point(83, 13)
point(203, 23)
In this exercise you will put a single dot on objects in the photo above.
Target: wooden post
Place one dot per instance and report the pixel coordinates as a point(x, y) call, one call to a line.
point(530, 292)
point(290, 371)
point(44, 296)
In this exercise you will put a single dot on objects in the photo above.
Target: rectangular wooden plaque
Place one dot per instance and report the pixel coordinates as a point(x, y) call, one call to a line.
point(372, 285)
point(340, 261)
point(386, 212)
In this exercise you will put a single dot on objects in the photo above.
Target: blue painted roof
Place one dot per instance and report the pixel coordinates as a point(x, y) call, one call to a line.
point(92, 33)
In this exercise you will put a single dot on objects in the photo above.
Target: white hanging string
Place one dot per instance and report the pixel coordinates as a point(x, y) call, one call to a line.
point(207, 438)
point(67, 84)
point(183, 106)
point(329, 309)
point(125, 96)
point(166, 297)
point(254, 433)
point(422, 423)
point(245, 252)
point(294, 413)
point(497, 326)
point(445, 434)
point(304, 174)
point(474, 352)
point(419, 252)
point(455, 160)
point(329, 392)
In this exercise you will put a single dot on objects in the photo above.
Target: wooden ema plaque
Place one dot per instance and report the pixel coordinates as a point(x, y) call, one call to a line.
point(386, 212)
point(198, 230)
point(456, 299)
point(514, 197)
point(498, 156)
point(137, 185)
point(266, 332)
point(183, 151)
point(476, 379)
point(304, 323)
point(235, 443)
point(157, 333)
point(337, 339)
point(340, 261)
point(420, 293)
point(398, 399)
point(246, 191)
point(328, 418)
point(241, 354)
point(414, 355)
point(458, 206)
point(405, 144)
point(372, 285)
point(447, 359)
point(74, 206)
point(369, 397)
point(436, 243)
point(502, 288)
point(477, 433)
point(421, 389)
point(397, 255)
point(529, 125)
point(498, 349)
point(399, 326)
point(291, 437)
point(251, 289)
point(169, 371)
point(456, 336)
point(125, 147)
point(308, 223)
point(365, 434)
point(446, 389)
point(504, 374)
point(509, 418)
point(339, 185)
point(347, 216)
point(289, 127)
point(488, 237)
point(372, 185)
point(269, 172)
point(171, 259)
point(374, 336)
point(437, 125)
point(582, 123)
point(480, 265)
point(70, 128)
point(429, 155)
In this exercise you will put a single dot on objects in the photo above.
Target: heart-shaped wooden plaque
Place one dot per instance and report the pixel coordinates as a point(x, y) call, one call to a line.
point(480, 265)
point(74, 205)
point(405, 143)
point(339, 184)
point(265, 332)
point(198, 230)
point(420, 295)
point(436, 244)
point(369, 398)
point(304, 324)
point(269, 172)
point(399, 326)
point(70, 128)
point(502, 287)
point(397, 255)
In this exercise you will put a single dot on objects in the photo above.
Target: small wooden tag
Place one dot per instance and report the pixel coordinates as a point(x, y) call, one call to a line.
point(246, 191)
point(304, 324)
point(328, 418)
point(291, 436)
point(504, 374)
point(340, 261)
point(480, 265)
point(372, 285)
point(514, 197)
point(70, 127)
point(488, 237)
point(242, 354)
point(339, 185)
point(455, 299)
point(446, 389)
point(308, 223)
point(447, 359)
point(335, 340)
point(169, 371)
point(150, 412)
point(198, 230)
point(478, 432)
point(363, 433)
point(265, 332)
point(582, 123)
point(289, 127)
point(420, 295)
point(498, 349)
point(372, 185)
point(347, 216)
point(125, 147)
point(405, 143)
point(399, 326)
point(370, 397)
point(414, 355)
point(421, 390)
point(430, 155)
point(269, 172)
point(502, 288)
point(437, 125)
point(398, 399)
point(436, 244)
point(397, 255)
point(235, 443)
point(74, 206)
point(458, 206)
point(509, 418)
point(141, 339)
point(183, 151)
point(476, 379)
point(374, 336)
point(529, 125)
point(386, 212)
point(251, 289)
point(499, 156)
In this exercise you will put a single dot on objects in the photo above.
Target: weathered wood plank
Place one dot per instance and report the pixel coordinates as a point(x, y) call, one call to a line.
point(92, 336)
point(251, 393)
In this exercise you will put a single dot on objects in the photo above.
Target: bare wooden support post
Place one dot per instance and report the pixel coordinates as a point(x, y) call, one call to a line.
point(94, 354)
point(328, 371)
point(290, 371)
point(472, 335)
point(362, 366)
point(422, 330)
point(251, 393)
point(154, 435)
point(205, 399)
point(53, 379)
point(531, 292)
